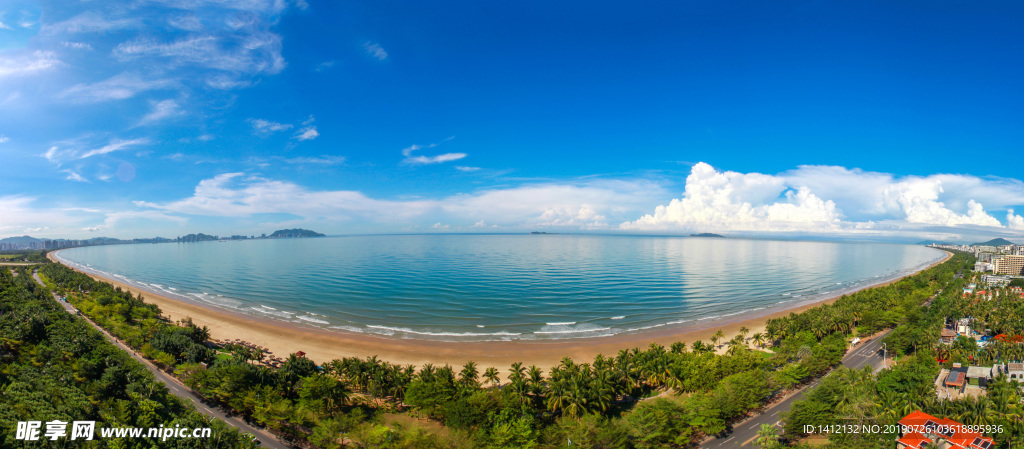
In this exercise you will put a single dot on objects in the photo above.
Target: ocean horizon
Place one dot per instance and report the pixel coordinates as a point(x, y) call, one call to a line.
point(496, 287)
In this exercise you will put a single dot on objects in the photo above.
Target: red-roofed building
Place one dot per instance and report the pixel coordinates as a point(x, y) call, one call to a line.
point(921, 430)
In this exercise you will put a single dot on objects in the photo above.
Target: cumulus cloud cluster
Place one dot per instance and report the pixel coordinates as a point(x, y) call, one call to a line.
point(737, 201)
point(825, 199)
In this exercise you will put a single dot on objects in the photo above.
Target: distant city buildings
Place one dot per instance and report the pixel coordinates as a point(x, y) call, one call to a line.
point(998, 259)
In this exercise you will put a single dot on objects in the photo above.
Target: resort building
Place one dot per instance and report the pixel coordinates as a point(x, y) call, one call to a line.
point(1009, 264)
point(947, 335)
point(1013, 371)
point(920, 430)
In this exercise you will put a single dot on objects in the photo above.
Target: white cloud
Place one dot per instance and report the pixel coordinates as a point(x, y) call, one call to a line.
point(114, 145)
point(375, 50)
point(826, 199)
point(4, 139)
point(322, 160)
point(918, 198)
point(254, 53)
point(423, 160)
point(307, 133)
point(29, 64)
point(324, 66)
point(730, 201)
point(1015, 222)
point(465, 168)
point(584, 205)
point(441, 158)
point(76, 45)
point(90, 22)
point(92, 228)
point(119, 87)
point(20, 212)
point(73, 176)
point(161, 110)
point(265, 127)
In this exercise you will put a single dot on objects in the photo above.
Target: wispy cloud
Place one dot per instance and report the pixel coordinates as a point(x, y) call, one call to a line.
point(424, 160)
point(321, 160)
point(161, 110)
point(27, 64)
point(4, 139)
point(265, 128)
point(119, 87)
point(324, 66)
point(308, 131)
point(74, 176)
point(114, 145)
point(76, 45)
point(375, 50)
point(466, 169)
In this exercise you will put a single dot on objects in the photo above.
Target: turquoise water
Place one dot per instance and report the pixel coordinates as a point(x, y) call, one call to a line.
point(501, 287)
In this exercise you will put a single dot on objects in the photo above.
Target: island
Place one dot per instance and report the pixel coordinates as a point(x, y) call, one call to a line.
point(293, 233)
point(708, 234)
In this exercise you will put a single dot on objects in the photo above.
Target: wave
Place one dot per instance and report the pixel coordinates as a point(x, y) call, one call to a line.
point(443, 334)
point(312, 320)
point(567, 323)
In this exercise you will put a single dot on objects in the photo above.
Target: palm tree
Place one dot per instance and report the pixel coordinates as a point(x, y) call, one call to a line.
point(804, 352)
point(766, 437)
point(718, 336)
point(758, 339)
point(469, 374)
point(516, 372)
point(491, 374)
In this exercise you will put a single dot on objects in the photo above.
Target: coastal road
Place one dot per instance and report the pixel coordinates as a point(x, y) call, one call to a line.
point(177, 388)
point(743, 433)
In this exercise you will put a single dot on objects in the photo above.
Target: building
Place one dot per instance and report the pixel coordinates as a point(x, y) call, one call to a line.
point(1013, 371)
point(982, 267)
point(957, 378)
point(920, 430)
point(947, 335)
point(1009, 264)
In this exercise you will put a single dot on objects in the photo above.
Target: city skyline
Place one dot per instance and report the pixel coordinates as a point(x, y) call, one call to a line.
point(144, 119)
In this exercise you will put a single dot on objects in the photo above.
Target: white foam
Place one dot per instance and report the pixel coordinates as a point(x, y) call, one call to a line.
point(575, 331)
point(392, 330)
point(312, 320)
point(618, 317)
point(568, 323)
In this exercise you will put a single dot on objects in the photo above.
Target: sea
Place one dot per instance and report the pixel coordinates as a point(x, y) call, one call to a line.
point(501, 287)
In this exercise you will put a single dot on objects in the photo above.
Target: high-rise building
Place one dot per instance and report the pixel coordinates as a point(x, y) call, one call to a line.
point(1008, 264)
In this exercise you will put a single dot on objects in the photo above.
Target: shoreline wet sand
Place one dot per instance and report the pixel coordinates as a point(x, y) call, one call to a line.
point(321, 345)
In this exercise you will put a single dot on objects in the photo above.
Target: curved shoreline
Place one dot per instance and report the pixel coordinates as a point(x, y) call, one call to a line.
point(323, 345)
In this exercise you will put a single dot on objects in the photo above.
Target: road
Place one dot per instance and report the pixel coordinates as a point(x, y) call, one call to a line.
point(177, 388)
point(743, 433)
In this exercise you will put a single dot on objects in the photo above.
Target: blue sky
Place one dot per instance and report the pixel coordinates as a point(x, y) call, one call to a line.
point(865, 120)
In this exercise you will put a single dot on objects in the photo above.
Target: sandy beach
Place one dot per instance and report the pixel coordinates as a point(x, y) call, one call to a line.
point(321, 345)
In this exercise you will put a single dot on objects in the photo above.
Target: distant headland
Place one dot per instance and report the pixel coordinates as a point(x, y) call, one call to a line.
point(708, 234)
point(32, 243)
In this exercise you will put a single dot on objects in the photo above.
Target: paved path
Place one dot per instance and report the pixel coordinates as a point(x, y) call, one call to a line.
point(743, 433)
point(176, 387)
